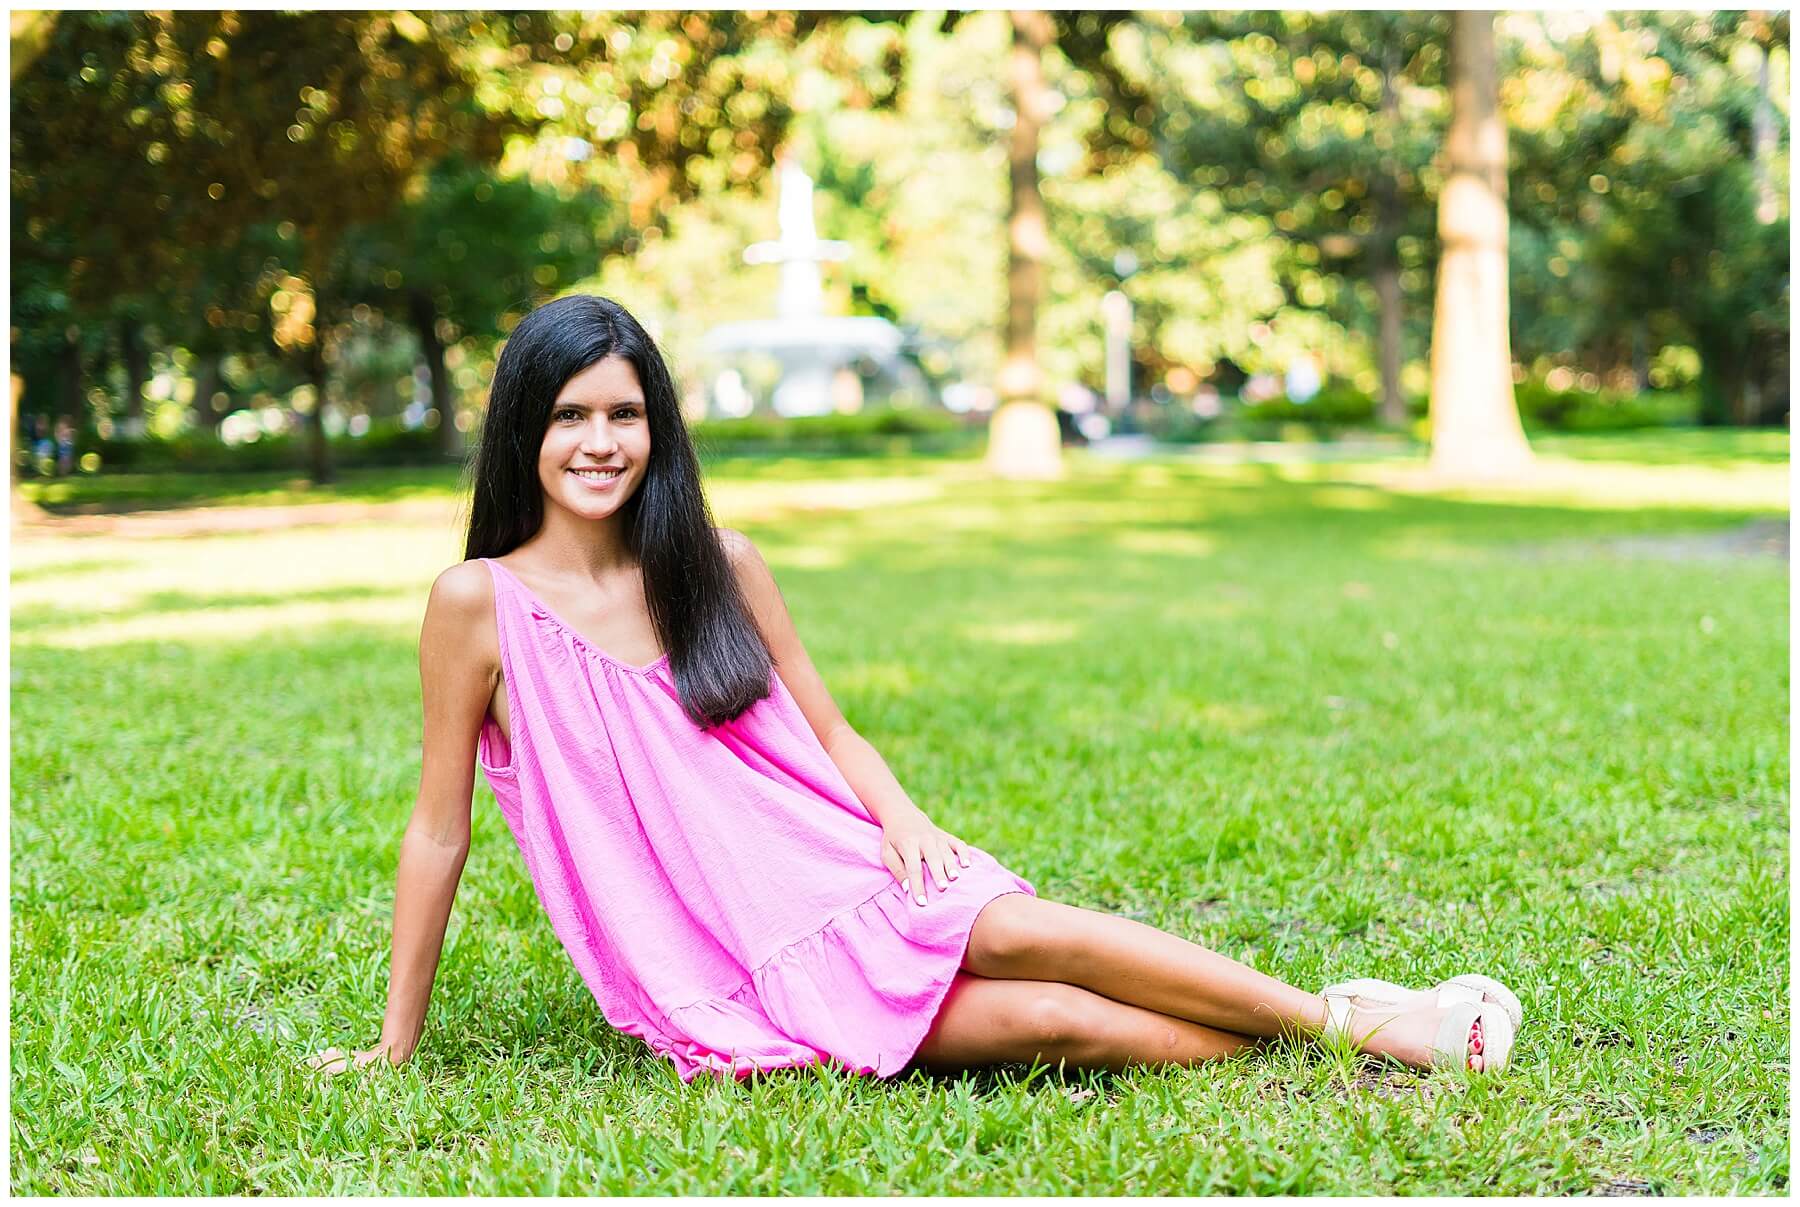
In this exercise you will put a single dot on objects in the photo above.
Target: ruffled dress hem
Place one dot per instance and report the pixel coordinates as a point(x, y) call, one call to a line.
point(875, 1029)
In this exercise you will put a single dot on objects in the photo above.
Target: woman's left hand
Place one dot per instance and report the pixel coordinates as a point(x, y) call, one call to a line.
point(913, 843)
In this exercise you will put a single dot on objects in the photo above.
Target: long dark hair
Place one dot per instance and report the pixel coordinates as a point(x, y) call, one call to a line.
point(720, 661)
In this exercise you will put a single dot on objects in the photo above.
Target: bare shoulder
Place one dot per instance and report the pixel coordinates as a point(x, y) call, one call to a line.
point(459, 617)
point(752, 573)
point(465, 591)
point(738, 547)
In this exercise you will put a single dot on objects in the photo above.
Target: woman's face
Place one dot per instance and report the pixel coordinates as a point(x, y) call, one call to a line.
point(598, 424)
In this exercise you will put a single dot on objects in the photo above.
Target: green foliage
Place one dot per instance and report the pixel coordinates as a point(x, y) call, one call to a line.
point(1244, 178)
point(386, 443)
point(878, 429)
point(1340, 409)
point(202, 134)
point(1325, 125)
point(197, 126)
point(1336, 404)
point(1645, 210)
point(471, 248)
point(1576, 410)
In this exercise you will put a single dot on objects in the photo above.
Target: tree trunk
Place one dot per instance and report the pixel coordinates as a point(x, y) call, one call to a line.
point(73, 385)
point(137, 371)
point(207, 382)
point(1725, 353)
point(318, 449)
point(24, 511)
point(1023, 440)
point(1640, 354)
point(74, 403)
point(1717, 390)
point(1475, 428)
point(424, 320)
point(1762, 141)
point(1385, 270)
point(1386, 275)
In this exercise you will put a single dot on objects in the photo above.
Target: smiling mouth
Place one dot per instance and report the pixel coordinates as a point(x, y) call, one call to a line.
point(597, 475)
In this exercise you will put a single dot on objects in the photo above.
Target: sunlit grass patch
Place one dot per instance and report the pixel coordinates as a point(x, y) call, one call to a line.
point(1753, 486)
point(1025, 632)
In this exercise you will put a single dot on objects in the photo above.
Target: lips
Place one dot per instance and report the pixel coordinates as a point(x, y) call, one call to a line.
point(596, 481)
point(597, 473)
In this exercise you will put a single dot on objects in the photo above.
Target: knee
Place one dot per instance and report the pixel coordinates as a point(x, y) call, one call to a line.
point(1059, 1021)
point(1011, 936)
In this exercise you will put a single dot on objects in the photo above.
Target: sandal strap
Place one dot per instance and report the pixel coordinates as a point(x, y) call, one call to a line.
point(1338, 1010)
point(1449, 993)
point(1451, 1046)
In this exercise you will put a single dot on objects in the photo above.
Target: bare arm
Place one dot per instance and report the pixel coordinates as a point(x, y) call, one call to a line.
point(863, 768)
point(458, 668)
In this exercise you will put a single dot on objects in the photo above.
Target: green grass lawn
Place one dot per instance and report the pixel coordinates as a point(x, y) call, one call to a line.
point(1326, 726)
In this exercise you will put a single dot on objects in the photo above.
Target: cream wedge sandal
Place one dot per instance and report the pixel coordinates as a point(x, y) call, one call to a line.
point(1451, 1047)
point(1470, 987)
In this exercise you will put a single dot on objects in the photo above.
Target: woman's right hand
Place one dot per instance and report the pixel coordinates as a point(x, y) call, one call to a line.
point(336, 1060)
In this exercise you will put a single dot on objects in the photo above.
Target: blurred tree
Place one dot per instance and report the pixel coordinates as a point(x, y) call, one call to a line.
point(918, 188)
point(634, 115)
point(1475, 428)
point(1024, 440)
point(197, 112)
point(46, 341)
point(1565, 117)
point(229, 325)
point(1686, 218)
point(468, 248)
point(78, 220)
point(1326, 124)
point(30, 34)
point(1643, 145)
point(190, 133)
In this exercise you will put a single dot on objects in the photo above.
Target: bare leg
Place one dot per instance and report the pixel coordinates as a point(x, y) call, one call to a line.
point(984, 1021)
point(1020, 937)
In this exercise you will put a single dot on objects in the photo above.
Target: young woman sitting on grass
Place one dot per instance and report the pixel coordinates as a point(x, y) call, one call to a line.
point(733, 869)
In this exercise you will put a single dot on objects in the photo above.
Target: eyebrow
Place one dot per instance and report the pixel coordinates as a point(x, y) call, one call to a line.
point(570, 404)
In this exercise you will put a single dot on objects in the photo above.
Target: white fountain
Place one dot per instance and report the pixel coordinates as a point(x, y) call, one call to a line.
point(810, 346)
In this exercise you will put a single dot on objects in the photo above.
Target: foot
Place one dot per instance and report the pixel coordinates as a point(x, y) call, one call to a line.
point(1467, 987)
point(1407, 1034)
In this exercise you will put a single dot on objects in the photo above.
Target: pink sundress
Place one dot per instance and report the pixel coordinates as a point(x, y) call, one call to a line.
point(720, 891)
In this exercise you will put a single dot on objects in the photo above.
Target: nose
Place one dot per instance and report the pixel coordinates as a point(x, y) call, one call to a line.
point(598, 439)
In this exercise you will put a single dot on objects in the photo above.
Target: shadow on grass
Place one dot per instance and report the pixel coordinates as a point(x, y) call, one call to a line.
point(128, 493)
point(37, 619)
point(69, 569)
point(122, 493)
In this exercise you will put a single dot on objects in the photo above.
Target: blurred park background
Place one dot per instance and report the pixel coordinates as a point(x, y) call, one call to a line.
point(296, 241)
point(1317, 483)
